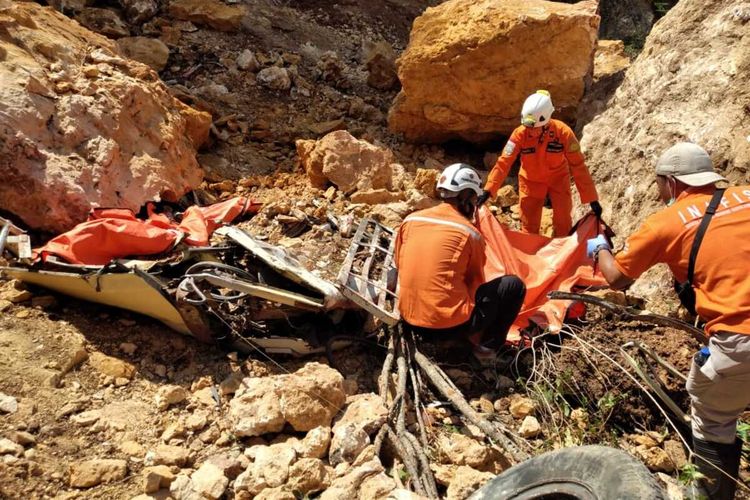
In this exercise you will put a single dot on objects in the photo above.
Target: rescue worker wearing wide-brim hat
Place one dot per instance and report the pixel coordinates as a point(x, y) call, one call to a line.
point(719, 221)
point(550, 155)
point(440, 257)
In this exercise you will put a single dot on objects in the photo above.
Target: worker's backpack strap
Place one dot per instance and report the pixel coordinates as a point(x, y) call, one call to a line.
point(685, 290)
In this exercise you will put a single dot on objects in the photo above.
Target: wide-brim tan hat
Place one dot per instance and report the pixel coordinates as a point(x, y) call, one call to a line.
point(688, 163)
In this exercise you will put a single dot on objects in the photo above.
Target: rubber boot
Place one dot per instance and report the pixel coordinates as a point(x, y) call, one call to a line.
point(720, 464)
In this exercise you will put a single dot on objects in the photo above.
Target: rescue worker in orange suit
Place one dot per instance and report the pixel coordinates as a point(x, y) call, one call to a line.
point(719, 379)
point(550, 154)
point(440, 256)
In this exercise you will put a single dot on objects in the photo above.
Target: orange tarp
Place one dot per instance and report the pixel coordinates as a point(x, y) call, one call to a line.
point(113, 233)
point(544, 264)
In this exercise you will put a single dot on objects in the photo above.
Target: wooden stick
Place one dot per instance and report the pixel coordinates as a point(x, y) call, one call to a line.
point(629, 313)
point(433, 374)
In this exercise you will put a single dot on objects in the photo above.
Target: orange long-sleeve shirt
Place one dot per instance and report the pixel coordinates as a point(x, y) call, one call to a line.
point(547, 154)
point(440, 258)
point(722, 290)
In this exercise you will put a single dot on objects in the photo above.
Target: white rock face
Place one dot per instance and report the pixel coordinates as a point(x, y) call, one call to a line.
point(690, 83)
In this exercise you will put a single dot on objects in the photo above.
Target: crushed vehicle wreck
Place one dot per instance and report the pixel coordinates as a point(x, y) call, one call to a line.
point(238, 291)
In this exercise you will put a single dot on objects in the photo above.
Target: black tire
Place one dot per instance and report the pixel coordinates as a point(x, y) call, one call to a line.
point(581, 473)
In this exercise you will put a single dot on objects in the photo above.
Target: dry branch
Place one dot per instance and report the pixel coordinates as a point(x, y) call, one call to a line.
point(628, 313)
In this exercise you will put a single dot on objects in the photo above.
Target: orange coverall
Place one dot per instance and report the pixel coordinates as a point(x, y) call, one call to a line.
point(549, 155)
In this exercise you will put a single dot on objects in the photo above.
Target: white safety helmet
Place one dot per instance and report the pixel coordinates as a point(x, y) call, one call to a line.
point(457, 177)
point(537, 109)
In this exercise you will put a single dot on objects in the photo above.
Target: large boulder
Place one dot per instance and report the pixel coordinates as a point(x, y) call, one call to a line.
point(82, 126)
point(691, 82)
point(347, 162)
point(470, 64)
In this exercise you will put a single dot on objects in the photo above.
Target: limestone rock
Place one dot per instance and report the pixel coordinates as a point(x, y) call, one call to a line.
point(150, 51)
point(346, 487)
point(196, 421)
point(365, 411)
point(521, 407)
point(22, 437)
point(211, 13)
point(8, 404)
point(530, 427)
point(610, 58)
point(465, 481)
point(274, 78)
point(506, 196)
point(255, 409)
point(311, 396)
point(182, 488)
point(466, 72)
point(171, 455)
point(86, 418)
point(103, 21)
point(347, 443)
point(231, 463)
point(279, 493)
point(175, 430)
point(139, 11)
point(668, 96)
point(156, 477)
point(247, 61)
point(376, 486)
point(250, 481)
point(380, 60)
point(463, 450)
point(376, 196)
point(8, 447)
point(209, 481)
point(93, 472)
point(169, 395)
point(132, 448)
point(315, 443)
point(113, 367)
point(128, 348)
point(16, 296)
point(273, 463)
point(308, 475)
point(74, 141)
point(655, 459)
point(676, 453)
point(345, 161)
point(426, 181)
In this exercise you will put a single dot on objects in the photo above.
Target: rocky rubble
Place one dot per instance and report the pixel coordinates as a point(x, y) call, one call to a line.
point(83, 126)
point(462, 77)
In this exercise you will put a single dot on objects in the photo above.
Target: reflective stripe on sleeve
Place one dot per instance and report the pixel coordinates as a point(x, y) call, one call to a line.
point(472, 232)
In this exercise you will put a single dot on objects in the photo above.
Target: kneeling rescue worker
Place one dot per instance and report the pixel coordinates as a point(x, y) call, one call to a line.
point(550, 154)
point(440, 256)
point(717, 246)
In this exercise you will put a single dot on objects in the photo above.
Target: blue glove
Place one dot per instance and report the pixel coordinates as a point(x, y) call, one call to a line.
point(595, 244)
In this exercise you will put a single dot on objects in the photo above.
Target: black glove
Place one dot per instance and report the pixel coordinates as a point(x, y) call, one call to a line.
point(482, 198)
point(596, 208)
